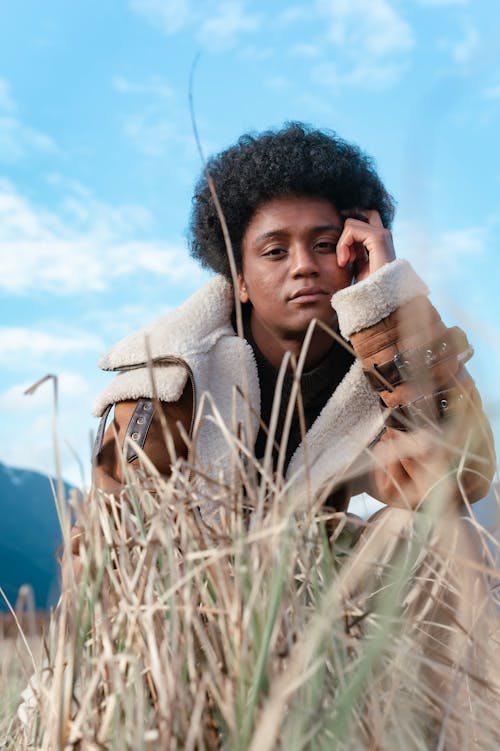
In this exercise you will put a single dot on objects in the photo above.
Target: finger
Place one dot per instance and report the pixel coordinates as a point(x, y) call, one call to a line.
point(356, 214)
point(362, 261)
point(373, 218)
point(395, 485)
point(346, 252)
point(345, 255)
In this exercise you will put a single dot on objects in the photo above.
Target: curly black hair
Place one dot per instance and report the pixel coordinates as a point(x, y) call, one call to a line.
point(295, 160)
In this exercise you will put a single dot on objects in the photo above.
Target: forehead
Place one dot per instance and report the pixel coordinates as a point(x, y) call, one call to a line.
point(292, 213)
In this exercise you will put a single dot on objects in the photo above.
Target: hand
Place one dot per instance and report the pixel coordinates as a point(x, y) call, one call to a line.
point(409, 466)
point(365, 243)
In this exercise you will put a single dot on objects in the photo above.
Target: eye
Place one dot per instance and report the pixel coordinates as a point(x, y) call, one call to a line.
point(274, 253)
point(325, 246)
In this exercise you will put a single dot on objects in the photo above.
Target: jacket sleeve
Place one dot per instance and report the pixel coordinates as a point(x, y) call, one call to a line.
point(158, 435)
point(161, 441)
point(437, 434)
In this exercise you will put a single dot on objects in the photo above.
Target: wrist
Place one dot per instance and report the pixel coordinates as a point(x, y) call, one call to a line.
point(377, 296)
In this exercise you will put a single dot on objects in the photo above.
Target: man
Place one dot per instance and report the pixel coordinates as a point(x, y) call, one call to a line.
point(308, 220)
point(315, 361)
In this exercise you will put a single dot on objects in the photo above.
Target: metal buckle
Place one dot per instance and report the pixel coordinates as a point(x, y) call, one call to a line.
point(402, 365)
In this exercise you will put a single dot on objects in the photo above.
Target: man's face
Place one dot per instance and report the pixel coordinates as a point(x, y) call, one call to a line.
point(290, 268)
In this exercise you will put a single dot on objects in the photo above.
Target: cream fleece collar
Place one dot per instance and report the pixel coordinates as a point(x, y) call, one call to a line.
point(192, 328)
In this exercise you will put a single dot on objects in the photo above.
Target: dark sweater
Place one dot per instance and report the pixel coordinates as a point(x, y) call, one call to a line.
point(316, 387)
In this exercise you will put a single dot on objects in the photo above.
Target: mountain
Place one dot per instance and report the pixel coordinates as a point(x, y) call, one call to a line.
point(29, 537)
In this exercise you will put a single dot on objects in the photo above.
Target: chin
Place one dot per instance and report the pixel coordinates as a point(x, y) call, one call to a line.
point(328, 319)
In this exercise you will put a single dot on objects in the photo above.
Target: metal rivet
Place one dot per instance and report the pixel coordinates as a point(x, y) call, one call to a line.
point(147, 406)
point(141, 420)
point(444, 404)
point(135, 436)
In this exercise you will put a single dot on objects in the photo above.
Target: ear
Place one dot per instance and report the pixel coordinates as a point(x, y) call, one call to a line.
point(242, 288)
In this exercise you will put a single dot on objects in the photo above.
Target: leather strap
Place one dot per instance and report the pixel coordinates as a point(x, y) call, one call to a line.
point(97, 448)
point(424, 410)
point(407, 364)
point(138, 426)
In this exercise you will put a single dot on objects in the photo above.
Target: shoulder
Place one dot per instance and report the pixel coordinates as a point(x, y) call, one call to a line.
point(158, 359)
point(142, 427)
point(194, 325)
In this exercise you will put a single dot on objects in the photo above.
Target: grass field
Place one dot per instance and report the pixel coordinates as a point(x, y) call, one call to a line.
point(174, 635)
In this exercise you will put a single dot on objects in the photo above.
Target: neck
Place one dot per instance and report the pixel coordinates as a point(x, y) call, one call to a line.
point(274, 348)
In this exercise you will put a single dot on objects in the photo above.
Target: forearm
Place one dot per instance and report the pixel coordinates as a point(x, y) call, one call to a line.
point(436, 426)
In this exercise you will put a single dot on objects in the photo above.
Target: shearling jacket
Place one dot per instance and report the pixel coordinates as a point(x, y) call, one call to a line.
point(198, 367)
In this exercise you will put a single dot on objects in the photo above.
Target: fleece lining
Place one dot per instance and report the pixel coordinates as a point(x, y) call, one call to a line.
point(369, 301)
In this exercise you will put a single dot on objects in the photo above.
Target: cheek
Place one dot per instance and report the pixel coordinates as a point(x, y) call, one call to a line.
point(264, 297)
point(347, 275)
point(260, 285)
point(341, 278)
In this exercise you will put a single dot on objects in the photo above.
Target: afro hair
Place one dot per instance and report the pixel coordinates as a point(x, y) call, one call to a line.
point(295, 160)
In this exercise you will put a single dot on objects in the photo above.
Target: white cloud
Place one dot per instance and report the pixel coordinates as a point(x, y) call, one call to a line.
point(84, 248)
point(116, 323)
point(169, 15)
point(56, 266)
point(217, 25)
point(365, 74)
point(31, 436)
point(452, 250)
point(368, 38)
point(69, 384)
point(367, 27)
point(156, 124)
point(222, 27)
point(18, 140)
point(467, 242)
point(153, 134)
point(153, 86)
point(19, 344)
point(161, 260)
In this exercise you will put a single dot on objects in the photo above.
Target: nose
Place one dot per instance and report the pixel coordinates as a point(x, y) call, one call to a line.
point(304, 261)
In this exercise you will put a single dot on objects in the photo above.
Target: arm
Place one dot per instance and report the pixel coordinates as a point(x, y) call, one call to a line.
point(109, 463)
point(108, 469)
point(385, 313)
point(412, 456)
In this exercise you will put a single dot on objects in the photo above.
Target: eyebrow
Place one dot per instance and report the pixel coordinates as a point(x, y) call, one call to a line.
point(284, 231)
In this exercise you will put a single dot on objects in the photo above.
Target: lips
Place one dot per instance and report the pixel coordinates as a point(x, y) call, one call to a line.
point(308, 294)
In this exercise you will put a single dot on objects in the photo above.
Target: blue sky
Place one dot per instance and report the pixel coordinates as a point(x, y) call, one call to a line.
point(98, 162)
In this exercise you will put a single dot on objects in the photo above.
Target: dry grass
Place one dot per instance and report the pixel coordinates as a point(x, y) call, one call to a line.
point(262, 626)
point(18, 656)
point(180, 635)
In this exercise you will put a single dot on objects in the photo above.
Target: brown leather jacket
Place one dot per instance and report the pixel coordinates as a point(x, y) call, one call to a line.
point(406, 462)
